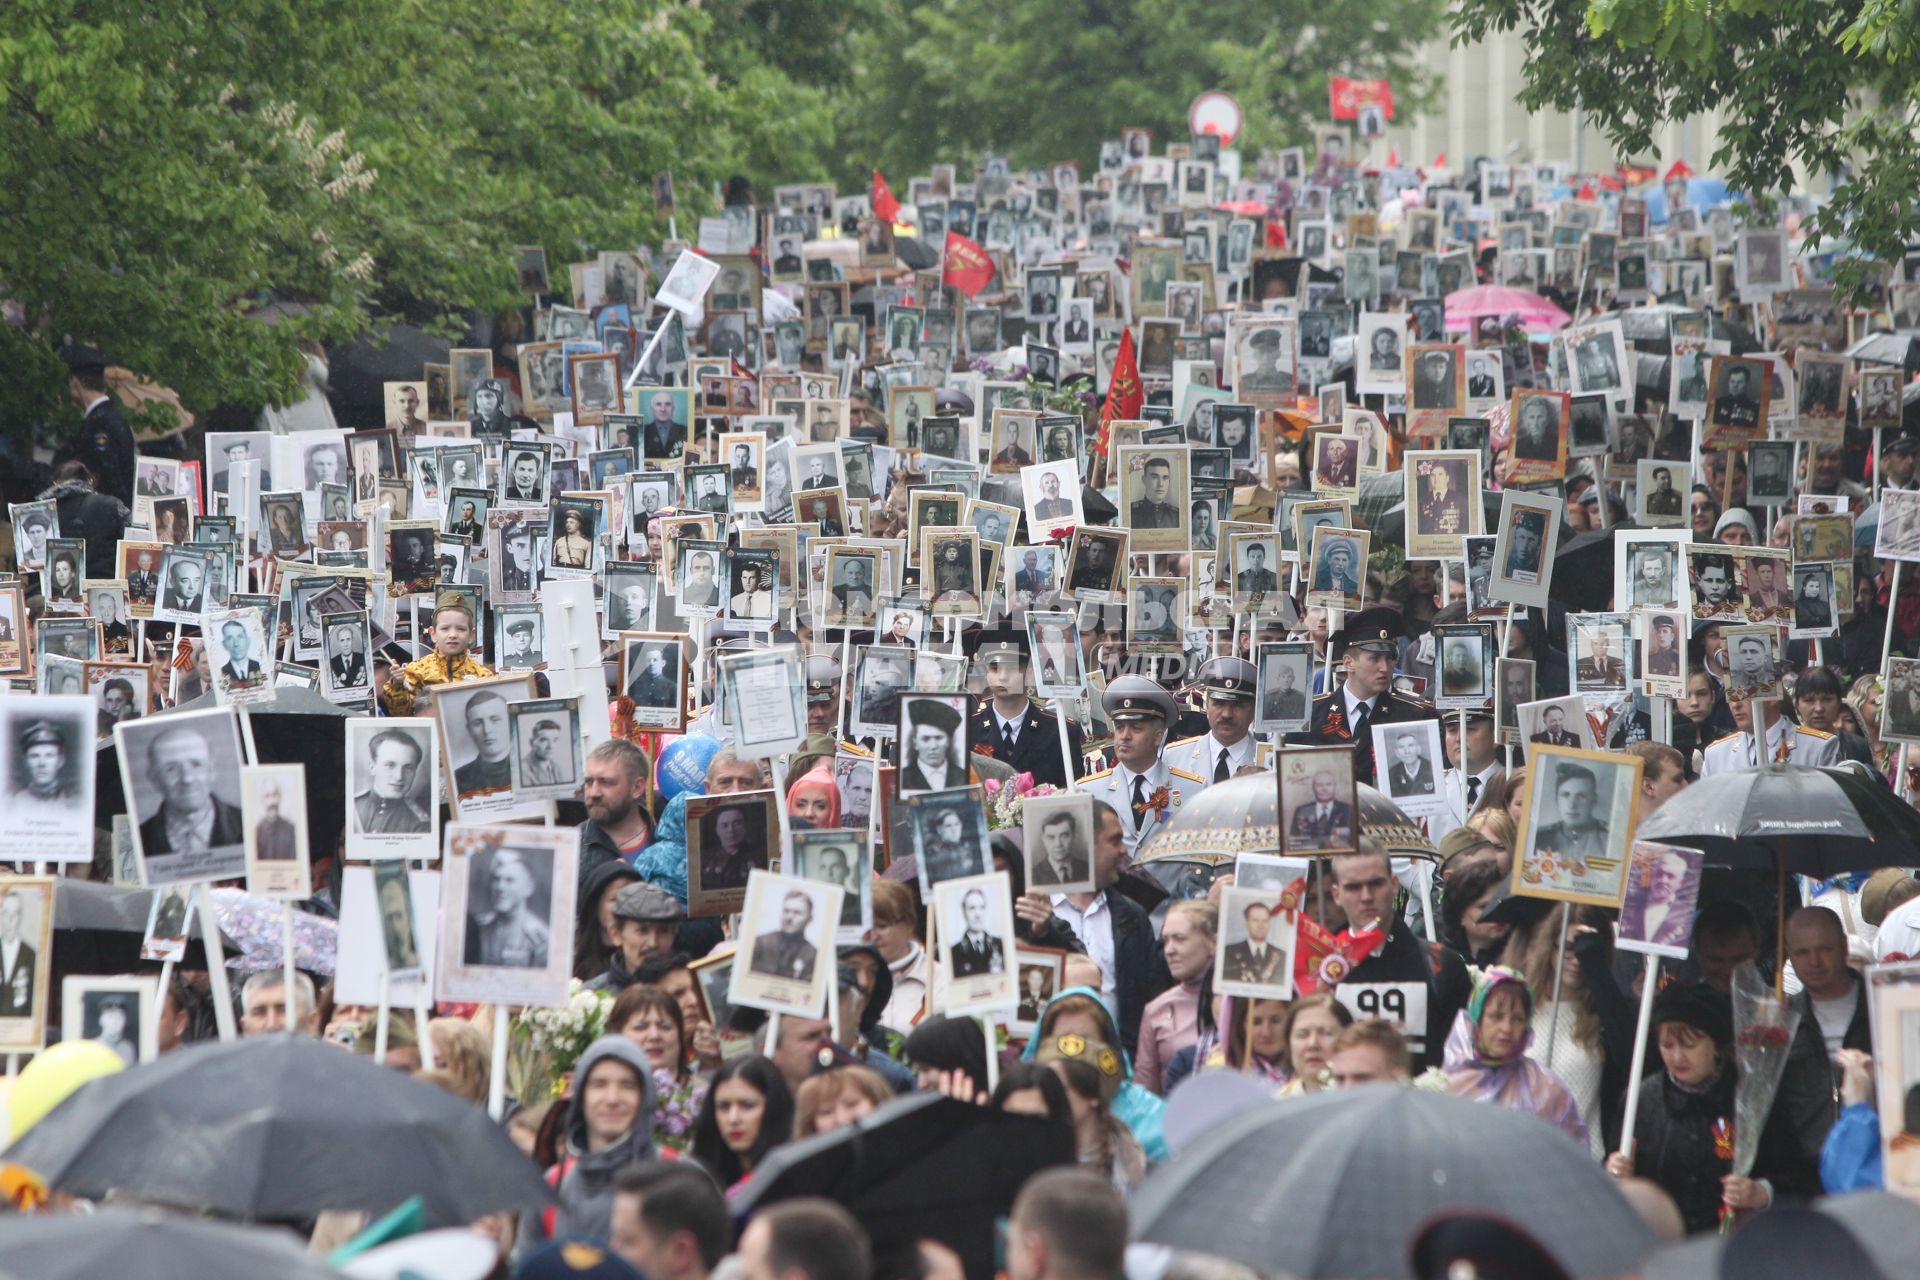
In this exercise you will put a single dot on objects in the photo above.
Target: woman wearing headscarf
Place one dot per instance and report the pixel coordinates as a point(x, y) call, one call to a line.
point(814, 799)
point(1486, 1055)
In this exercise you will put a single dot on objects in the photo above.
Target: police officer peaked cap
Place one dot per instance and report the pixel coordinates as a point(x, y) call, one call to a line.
point(823, 678)
point(1372, 631)
point(1228, 679)
point(1137, 698)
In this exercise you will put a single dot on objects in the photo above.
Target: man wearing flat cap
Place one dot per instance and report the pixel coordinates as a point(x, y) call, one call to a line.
point(929, 757)
point(1010, 727)
point(104, 441)
point(1433, 381)
point(43, 752)
point(1367, 647)
point(1143, 788)
point(1227, 684)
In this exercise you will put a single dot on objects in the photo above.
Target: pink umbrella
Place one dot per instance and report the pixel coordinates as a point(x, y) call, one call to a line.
point(1537, 314)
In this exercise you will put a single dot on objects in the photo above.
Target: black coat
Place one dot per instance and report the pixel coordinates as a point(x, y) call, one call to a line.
point(1329, 725)
point(1809, 1088)
point(1674, 1146)
point(1139, 967)
point(1405, 958)
point(1036, 750)
point(105, 443)
point(97, 519)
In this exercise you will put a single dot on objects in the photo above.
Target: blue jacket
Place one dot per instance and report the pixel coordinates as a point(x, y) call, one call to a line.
point(1139, 1108)
point(1850, 1157)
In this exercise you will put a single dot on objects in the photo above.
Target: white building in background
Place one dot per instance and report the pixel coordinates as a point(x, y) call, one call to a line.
point(1477, 113)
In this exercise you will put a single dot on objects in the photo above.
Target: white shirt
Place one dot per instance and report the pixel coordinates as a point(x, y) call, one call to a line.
point(1239, 755)
point(1009, 729)
point(1094, 928)
point(93, 404)
point(1835, 1016)
point(1353, 706)
point(1454, 787)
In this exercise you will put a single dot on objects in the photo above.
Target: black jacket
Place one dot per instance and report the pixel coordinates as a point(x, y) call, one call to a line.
point(1139, 968)
point(1329, 725)
point(105, 443)
point(1407, 959)
point(96, 518)
point(1809, 1089)
point(1674, 1146)
point(1036, 750)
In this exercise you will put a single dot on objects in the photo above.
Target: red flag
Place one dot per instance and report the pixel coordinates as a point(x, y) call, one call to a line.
point(1348, 96)
point(884, 205)
point(1680, 169)
point(968, 268)
point(1125, 395)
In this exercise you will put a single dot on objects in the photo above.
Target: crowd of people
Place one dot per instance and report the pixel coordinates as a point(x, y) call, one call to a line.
point(967, 582)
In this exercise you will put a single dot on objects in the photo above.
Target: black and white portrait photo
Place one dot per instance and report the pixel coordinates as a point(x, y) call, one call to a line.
point(1579, 817)
point(1464, 654)
point(546, 747)
point(977, 942)
point(653, 676)
point(46, 767)
point(273, 808)
point(477, 747)
point(509, 914)
point(949, 835)
point(517, 642)
point(346, 675)
point(931, 743)
point(180, 774)
point(786, 945)
point(727, 837)
point(1058, 839)
point(121, 1013)
point(392, 789)
point(1410, 763)
point(839, 858)
point(1283, 682)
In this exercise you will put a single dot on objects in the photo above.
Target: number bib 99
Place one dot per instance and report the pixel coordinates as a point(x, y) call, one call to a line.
point(1401, 1003)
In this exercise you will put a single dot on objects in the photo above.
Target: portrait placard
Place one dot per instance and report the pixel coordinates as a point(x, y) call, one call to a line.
point(1514, 688)
point(1576, 823)
point(1556, 722)
point(1663, 665)
point(1598, 652)
point(1443, 501)
point(122, 1013)
point(478, 747)
point(974, 928)
point(507, 903)
point(399, 934)
point(1318, 801)
point(949, 834)
point(785, 957)
point(1283, 677)
point(763, 695)
point(545, 762)
point(26, 931)
point(1037, 981)
point(1539, 449)
point(728, 836)
point(653, 673)
point(840, 858)
point(47, 766)
point(1057, 665)
point(1663, 887)
point(273, 809)
point(1057, 834)
point(1523, 555)
point(393, 789)
point(1258, 944)
point(1413, 765)
point(1337, 569)
point(882, 673)
point(180, 773)
point(1753, 662)
point(1896, 1061)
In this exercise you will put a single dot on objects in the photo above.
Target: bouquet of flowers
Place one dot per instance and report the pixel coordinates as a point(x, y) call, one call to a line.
point(546, 1043)
point(1763, 1031)
point(1006, 799)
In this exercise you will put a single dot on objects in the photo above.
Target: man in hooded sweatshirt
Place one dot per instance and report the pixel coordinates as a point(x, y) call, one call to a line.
point(609, 1127)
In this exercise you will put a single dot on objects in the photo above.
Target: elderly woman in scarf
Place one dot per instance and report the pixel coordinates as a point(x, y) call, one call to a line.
point(1486, 1055)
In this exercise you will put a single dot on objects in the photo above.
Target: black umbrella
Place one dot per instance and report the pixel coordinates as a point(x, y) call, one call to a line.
point(1390, 526)
point(1337, 1185)
point(1784, 1244)
point(1887, 1224)
point(148, 1244)
point(1790, 820)
point(297, 727)
point(923, 1165)
point(916, 253)
point(97, 928)
point(358, 371)
point(278, 1129)
point(1583, 568)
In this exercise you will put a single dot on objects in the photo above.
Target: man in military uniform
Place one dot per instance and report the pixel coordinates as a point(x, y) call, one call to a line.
point(1152, 510)
point(1282, 700)
point(1336, 571)
point(1227, 684)
point(1786, 742)
point(1433, 382)
point(18, 961)
point(43, 750)
point(1366, 647)
point(1051, 505)
point(386, 806)
point(1325, 821)
point(104, 441)
point(786, 953)
point(1256, 577)
point(274, 838)
point(976, 952)
point(822, 677)
point(1599, 669)
point(655, 686)
point(1663, 499)
point(1443, 509)
point(1010, 727)
point(1143, 789)
point(1735, 405)
point(142, 582)
point(1256, 960)
point(501, 929)
point(1579, 833)
point(1411, 773)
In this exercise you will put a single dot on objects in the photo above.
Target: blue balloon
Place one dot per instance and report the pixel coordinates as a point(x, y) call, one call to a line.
point(683, 764)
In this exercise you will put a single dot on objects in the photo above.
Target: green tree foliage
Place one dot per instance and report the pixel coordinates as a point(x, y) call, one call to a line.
point(941, 80)
point(1827, 86)
point(165, 169)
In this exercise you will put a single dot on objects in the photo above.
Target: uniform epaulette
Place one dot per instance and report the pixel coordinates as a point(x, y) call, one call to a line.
point(1182, 773)
point(1094, 777)
point(853, 749)
point(1818, 733)
point(1725, 737)
point(1409, 699)
point(1185, 741)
